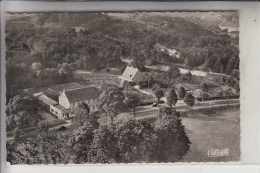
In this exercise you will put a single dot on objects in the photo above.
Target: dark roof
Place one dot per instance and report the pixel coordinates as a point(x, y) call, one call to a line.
point(54, 88)
point(60, 107)
point(67, 86)
point(53, 95)
point(45, 99)
point(44, 91)
point(81, 94)
point(35, 90)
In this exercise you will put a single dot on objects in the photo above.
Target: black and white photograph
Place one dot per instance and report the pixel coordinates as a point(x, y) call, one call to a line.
point(122, 87)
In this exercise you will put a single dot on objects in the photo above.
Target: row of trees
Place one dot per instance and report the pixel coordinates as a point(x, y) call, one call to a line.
point(223, 60)
point(123, 141)
point(172, 97)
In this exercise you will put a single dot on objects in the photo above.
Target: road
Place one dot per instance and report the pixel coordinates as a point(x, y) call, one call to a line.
point(199, 73)
point(34, 131)
point(148, 111)
point(145, 112)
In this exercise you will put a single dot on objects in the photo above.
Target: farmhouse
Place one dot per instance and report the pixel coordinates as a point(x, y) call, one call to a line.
point(131, 74)
point(70, 99)
point(63, 99)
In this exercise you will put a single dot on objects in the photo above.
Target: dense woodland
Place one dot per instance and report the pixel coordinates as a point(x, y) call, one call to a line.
point(44, 49)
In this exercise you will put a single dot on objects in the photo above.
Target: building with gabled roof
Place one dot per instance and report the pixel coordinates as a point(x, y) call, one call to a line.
point(70, 99)
point(131, 74)
point(63, 99)
point(80, 94)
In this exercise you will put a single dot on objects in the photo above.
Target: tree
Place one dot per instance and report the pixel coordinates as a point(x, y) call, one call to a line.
point(18, 76)
point(189, 75)
point(233, 80)
point(156, 87)
point(173, 72)
point(81, 143)
point(83, 116)
point(66, 73)
point(204, 87)
point(111, 100)
point(228, 93)
point(135, 141)
point(139, 62)
point(22, 112)
point(104, 145)
point(128, 87)
point(159, 94)
point(132, 100)
point(237, 88)
point(181, 92)
point(172, 98)
point(126, 141)
point(189, 99)
point(172, 142)
point(46, 148)
point(232, 64)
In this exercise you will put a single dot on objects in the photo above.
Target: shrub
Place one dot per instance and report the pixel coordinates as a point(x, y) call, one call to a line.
point(189, 99)
point(143, 84)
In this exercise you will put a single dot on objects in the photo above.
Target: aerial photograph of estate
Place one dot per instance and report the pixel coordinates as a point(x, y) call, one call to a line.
point(122, 87)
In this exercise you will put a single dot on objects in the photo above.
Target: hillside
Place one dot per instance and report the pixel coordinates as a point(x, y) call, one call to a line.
point(41, 45)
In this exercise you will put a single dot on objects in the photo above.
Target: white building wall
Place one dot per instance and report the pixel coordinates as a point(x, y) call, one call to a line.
point(56, 111)
point(63, 101)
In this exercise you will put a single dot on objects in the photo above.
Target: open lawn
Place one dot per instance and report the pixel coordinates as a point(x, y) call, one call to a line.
point(213, 130)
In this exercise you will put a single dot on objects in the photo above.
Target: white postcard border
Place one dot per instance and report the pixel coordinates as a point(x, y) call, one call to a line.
point(249, 16)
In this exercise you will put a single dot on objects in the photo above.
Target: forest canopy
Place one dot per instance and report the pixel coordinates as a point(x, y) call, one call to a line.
point(38, 45)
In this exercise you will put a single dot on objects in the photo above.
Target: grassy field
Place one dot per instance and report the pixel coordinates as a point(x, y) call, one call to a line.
point(97, 78)
point(213, 130)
